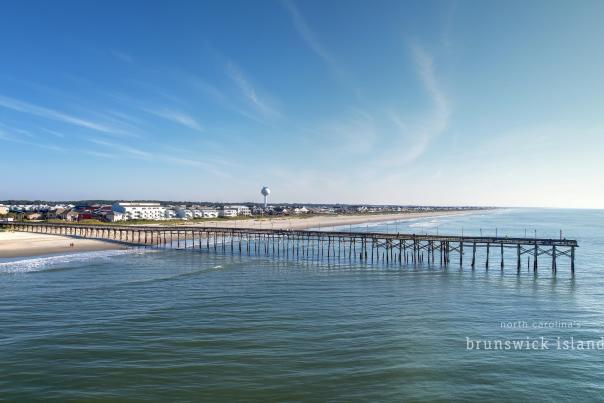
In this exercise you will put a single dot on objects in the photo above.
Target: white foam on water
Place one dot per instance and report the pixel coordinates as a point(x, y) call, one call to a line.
point(421, 222)
point(40, 263)
point(426, 224)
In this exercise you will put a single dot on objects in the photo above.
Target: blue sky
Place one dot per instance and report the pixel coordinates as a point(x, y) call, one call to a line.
point(427, 102)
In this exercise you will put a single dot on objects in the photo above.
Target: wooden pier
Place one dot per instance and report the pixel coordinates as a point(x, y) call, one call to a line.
point(387, 248)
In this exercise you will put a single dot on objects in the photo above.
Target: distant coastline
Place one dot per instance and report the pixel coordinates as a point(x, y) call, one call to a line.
point(23, 244)
point(325, 221)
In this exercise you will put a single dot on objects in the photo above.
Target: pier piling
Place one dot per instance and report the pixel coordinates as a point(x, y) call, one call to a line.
point(386, 248)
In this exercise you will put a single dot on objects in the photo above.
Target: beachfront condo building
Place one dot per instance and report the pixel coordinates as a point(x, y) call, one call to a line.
point(140, 211)
point(185, 213)
point(170, 214)
point(242, 210)
point(190, 213)
point(209, 213)
point(228, 212)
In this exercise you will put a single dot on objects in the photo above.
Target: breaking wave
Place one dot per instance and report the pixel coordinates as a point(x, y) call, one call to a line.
point(40, 263)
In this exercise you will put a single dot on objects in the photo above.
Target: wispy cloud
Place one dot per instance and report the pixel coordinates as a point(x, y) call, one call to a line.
point(394, 139)
point(169, 113)
point(307, 34)
point(125, 151)
point(417, 136)
point(124, 57)
point(100, 154)
point(47, 113)
point(249, 92)
point(448, 23)
point(53, 132)
point(425, 68)
point(310, 38)
point(4, 136)
point(175, 116)
point(218, 96)
point(22, 132)
point(131, 151)
point(208, 89)
point(354, 133)
point(207, 166)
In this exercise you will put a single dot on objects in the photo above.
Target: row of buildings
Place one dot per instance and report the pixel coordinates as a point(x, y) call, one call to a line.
point(124, 211)
point(155, 211)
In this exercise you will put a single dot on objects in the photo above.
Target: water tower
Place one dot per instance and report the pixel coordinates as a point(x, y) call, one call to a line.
point(265, 192)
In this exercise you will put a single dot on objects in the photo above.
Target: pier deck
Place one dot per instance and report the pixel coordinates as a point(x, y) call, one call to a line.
point(358, 246)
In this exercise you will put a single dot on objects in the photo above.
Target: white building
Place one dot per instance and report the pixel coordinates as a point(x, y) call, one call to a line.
point(209, 213)
point(114, 216)
point(242, 210)
point(184, 213)
point(191, 213)
point(3, 209)
point(228, 212)
point(196, 212)
point(301, 210)
point(170, 214)
point(140, 211)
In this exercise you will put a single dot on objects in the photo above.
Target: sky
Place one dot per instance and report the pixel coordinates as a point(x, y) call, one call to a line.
point(496, 103)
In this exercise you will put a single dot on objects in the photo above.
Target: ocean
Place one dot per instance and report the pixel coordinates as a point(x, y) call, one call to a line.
point(188, 325)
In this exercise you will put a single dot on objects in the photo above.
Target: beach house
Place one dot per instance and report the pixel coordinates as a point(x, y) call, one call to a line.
point(242, 210)
point(228, 212)
point(140, 210)
point(209, 213)
point(184, 213)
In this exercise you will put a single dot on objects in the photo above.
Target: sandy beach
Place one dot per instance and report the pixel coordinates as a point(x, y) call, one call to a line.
point(323, 221)
point(22, 244)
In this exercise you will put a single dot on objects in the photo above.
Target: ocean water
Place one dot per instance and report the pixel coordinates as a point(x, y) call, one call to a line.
point(187, 325)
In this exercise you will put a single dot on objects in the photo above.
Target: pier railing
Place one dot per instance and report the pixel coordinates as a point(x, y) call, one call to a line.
point(358, 246)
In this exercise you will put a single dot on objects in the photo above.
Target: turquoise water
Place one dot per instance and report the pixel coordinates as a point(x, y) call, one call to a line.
point(184, 325)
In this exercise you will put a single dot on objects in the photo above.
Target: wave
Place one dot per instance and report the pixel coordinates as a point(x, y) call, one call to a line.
point(38, 263)
point(427, 224)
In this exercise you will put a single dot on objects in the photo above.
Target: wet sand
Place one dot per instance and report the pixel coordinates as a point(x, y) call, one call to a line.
point(23, 244)
point(318, 222)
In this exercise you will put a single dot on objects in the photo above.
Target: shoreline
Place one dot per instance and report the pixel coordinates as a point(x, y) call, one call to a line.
point(321, 222)
point(26, 244)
